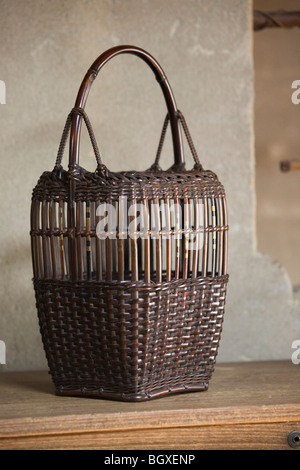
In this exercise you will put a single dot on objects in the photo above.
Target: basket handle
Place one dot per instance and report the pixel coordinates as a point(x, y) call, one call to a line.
point(162, 80)
point(155, 166)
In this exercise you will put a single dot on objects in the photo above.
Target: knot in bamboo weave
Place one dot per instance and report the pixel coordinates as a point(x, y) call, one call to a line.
point(130, 268)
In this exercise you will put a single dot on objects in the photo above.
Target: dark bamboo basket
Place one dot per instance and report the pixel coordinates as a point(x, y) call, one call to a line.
point(129, 317)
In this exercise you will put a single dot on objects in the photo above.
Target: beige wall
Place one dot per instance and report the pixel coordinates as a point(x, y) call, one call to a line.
point(277, 137)
point(206, 51)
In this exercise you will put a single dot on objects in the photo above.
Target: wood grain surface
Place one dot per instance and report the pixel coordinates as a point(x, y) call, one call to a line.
point(247, 406)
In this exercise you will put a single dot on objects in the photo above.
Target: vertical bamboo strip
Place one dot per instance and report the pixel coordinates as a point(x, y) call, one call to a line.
point(173, 237)
point(120, 236)
point(52, 237)
point(140, 244)
point(126, 243)
point(108, 249)
point(186, 246)
point(205, 240)
point(114, 244)
point(93, 239)
point(221, 236)
point(67, 239)
point(147, 242)
point(120, 260)
point(103, 254)
point(186, 239)
point(88, 240)
point(214, 236)
point(225, 257)
point(39, 238)
point(82, 238)
point(177, 237)
point(61, 238)
point(78, 239)
point(152, 240)
point(98, 247)
point(44, 238)
point(133, 241)
point(168, 241)
point(108, 259)
point(196, 237)
point(35, 238)
point(158, 244)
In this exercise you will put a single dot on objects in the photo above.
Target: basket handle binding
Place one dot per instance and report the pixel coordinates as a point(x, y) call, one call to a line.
point(102, 168)
point(155, 166)
point(64, 137)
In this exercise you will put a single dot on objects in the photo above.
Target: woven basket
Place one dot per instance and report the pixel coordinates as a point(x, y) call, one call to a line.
point(130, 268)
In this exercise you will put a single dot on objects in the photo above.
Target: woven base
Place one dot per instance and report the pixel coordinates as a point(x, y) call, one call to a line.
point(156, 393)
point(131, 341)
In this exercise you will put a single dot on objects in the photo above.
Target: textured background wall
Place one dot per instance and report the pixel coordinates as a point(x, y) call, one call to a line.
point(206, 51)
point(277, 137)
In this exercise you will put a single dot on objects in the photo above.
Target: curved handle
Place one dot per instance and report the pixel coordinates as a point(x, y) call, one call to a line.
point(161, 78)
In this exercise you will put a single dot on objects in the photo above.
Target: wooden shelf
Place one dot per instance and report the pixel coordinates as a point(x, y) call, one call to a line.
point(248, 406)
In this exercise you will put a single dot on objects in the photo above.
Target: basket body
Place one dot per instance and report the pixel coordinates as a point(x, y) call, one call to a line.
point(130, 339)
point(130, 277)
